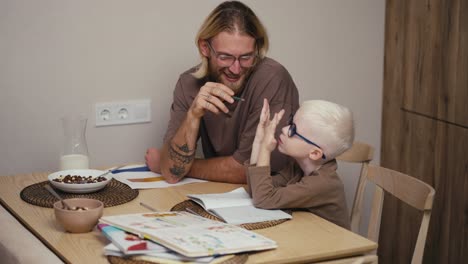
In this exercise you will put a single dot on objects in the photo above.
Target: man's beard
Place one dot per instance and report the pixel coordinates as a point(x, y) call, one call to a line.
point(216, 74)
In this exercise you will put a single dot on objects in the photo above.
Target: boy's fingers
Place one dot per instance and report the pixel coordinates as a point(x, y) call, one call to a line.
point(280, 115)
point(274, 122)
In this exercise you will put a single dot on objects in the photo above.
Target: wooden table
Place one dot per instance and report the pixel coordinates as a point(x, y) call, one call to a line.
point(305, 238)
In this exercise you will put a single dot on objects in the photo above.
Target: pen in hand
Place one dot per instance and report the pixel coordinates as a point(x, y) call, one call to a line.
point(238, 98)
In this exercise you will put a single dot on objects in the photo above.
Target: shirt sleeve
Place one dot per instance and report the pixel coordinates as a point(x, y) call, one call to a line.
point(281, 92)
point(179, 108)
point(252, 170)
point(308, 191)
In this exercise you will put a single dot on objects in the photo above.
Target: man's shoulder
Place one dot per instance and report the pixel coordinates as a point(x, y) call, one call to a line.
point(187, 75)
point(188, 82)
point(270, 74)
point(268, 69)
point(269, 64)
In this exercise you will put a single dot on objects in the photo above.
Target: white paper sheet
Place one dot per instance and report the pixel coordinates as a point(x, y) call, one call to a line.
point(158, 180)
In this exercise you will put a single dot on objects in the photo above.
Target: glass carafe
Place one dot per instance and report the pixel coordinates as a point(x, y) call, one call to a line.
point(74, 153)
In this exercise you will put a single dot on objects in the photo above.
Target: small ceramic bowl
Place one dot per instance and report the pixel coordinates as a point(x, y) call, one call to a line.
point(80, 220)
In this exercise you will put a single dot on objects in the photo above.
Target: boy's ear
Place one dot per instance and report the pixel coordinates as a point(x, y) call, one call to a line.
point(315, 154)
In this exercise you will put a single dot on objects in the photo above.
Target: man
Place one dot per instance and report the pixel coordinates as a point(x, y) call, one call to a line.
point(220, 100)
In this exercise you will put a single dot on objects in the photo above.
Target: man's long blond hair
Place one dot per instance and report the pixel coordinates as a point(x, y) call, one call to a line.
point(230, 16)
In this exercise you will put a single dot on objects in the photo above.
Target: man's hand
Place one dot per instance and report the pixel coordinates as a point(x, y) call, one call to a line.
point(211, 97)
point(178, 155)
point(153, 159)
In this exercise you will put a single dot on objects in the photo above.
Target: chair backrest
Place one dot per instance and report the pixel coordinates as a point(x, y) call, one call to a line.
point(359, 153)
point(410, 190)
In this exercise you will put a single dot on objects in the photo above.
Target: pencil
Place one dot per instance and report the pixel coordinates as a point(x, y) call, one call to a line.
point(238, 98)
point(148, 207)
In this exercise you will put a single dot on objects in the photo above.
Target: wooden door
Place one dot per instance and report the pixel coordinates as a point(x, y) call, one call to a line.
point(425, 125)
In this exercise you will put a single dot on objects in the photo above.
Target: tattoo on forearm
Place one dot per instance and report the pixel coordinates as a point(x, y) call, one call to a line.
point(178, 157)
point(180, 160)
point(184, 148)
point(177, 171)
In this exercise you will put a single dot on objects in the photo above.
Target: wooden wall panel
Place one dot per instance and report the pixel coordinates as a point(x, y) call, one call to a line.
point(425, 125)
point(436, 43)
point(394, 80)
point(438, 156)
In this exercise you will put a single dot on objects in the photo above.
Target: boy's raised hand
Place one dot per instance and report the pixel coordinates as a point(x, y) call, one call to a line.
point(265, 135)
point(269, 141)
point(263, 122)
point(259, 134)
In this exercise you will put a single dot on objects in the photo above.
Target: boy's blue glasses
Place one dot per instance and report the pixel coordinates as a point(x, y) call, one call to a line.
point(292, 131)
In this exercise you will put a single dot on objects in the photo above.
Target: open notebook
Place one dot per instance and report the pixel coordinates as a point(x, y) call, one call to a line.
point(236, 207)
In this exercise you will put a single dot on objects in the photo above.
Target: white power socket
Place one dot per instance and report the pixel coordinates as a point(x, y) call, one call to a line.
point(121, 113)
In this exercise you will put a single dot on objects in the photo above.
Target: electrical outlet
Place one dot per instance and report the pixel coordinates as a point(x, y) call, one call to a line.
point(121, 113)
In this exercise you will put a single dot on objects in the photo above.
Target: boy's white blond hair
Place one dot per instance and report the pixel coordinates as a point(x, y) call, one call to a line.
point(331, 125)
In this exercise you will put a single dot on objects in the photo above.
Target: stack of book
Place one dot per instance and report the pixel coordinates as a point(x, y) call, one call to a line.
point(177, 235)
point(126, 244)
point(184, 236)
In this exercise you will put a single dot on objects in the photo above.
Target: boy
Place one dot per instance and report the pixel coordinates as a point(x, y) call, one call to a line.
point(316, 134)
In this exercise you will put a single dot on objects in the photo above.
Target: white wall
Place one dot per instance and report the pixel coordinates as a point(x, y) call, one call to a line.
point(60, 56)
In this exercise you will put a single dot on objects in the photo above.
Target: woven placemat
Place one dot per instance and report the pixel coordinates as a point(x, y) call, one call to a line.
point(114, 193)
point(182, 206)
point(236, 259)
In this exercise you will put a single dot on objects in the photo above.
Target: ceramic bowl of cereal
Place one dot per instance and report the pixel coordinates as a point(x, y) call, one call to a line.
point(79, 181)
point(81, 217)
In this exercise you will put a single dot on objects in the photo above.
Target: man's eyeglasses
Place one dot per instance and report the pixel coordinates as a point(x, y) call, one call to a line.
point(293, 131)
point(226, 60)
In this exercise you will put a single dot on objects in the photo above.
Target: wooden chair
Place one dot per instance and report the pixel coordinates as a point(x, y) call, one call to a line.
point(410, 190)
point(358, 153)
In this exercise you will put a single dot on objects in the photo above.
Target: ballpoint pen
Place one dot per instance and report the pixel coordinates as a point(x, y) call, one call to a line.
point(110, 171)
point(133, 169)
point(238, 98)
